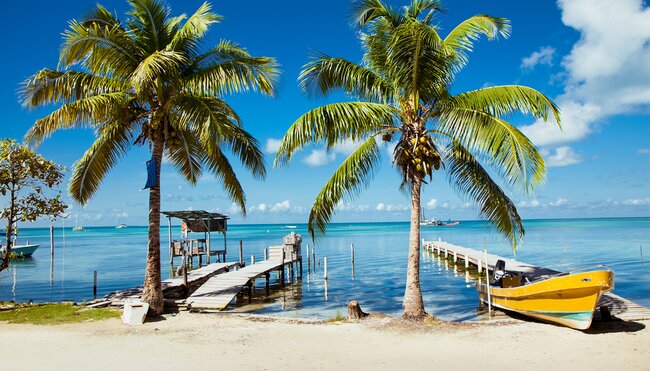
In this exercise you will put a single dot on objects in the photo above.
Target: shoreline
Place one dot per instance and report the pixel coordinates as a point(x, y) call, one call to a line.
point(379, 342)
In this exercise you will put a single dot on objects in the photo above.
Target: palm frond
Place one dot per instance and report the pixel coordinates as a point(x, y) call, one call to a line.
point(460, 40)
point(193, 29)
point(186, 156)
point(112, 143)
point(148, 24)
point(50, 86)
point(334, 123)
point(101, 50)
point(213, 123)
point(324, 74)
point(347, 181)
point(472, 181)
point(164, 65)
point(507, 148)
point(219, 165)
point(368, 11)
point(87, 112)
point(234, 76)
point(503, 100)
point(418, 7)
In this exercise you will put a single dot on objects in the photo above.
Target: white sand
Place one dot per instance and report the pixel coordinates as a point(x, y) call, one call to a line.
point(217, 341)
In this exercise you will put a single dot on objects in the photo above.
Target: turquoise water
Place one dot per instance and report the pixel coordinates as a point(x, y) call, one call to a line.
point(118, 255)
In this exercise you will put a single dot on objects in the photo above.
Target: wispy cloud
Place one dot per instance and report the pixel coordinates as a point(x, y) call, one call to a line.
point(272, 145)
point(319, 157)
point(543, 56)
point(562, 156)
point(604, 77)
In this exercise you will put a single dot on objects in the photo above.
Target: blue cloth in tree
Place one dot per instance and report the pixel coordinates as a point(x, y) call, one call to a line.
point(151, 174)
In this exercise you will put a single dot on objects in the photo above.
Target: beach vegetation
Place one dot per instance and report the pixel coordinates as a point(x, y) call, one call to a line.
point(401, 98)
point(27, 183)
point(150, 80)
point(54, 314)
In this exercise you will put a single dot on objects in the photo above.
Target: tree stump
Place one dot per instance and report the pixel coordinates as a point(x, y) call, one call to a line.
point(354, 311)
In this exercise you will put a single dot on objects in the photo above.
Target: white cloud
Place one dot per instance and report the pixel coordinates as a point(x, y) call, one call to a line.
point(577, 122)
point(529, 204)
point(281, 206)
point(432, 204)
point(272, 145)
point(644, 151)
point(380, 206)
point(348, 206)
point(637, 202)
point(391, 207)
point(544, 56)
point(319, 157)
point(261, 207)
point(607, 72)
point(562, 156)
point(234, 208)
point(559, 202)
point(346, 147)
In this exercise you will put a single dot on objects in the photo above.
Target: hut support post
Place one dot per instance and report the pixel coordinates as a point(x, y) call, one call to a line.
point(171, 244)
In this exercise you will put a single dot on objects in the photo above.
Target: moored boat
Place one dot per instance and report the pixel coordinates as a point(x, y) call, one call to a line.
point(568, 299)
point(23, 250)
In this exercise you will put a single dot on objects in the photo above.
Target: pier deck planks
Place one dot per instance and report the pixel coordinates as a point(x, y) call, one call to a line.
point(220, 290)
point(619, 307)
point(169, 284)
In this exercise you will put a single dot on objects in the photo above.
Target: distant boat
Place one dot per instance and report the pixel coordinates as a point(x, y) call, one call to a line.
point(290, 226)
point(568, 299)
point(429, 222)
point(121, 226)
point(451, 224)
point(77, 227)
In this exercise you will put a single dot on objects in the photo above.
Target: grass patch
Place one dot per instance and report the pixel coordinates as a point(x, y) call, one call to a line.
point(337, 318)
point(53, 314)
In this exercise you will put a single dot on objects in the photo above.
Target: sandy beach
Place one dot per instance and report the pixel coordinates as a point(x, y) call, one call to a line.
point(216, 341)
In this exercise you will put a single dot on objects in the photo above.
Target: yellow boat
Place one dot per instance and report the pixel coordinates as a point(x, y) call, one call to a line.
point(567, 299)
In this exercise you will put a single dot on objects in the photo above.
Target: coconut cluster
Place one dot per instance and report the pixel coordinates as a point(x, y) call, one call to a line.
point(419, 156)
point(173, 140)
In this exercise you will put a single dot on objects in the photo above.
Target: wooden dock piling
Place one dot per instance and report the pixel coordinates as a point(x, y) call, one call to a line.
point(95, 285)
point(325, 267)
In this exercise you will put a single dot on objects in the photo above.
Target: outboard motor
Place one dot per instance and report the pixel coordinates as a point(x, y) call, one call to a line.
point(499, 272)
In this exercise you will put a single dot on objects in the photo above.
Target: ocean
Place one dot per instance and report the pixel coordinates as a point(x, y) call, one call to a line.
point(118, 256)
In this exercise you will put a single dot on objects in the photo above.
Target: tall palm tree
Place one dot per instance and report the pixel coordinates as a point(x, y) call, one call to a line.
point(148, 81)
point(402, 91)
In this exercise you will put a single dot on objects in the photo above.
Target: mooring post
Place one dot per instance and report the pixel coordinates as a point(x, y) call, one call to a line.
point(282, 269)
point(325, 267)
point(252, 259)
point(241, 253)
point(95, 285)
point(352, 253)
point(308, 261)
point(52, 241)
point(313, 257)
point(266, 254)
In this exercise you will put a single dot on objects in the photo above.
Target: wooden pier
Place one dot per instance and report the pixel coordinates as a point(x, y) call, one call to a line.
point(220, 290)
point(173, 287)
point(619, 307)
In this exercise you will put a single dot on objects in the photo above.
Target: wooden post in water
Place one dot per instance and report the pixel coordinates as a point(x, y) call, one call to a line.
point(267, 275)
point(95, 285)
point(52, 241)
point(455, 256)
point(266, 253)
point(252, 259)
point(186, 288)
point(466, 261)
point(308, 261)
point(325, 267)
point(313, 257)
point(282, 269)
point(352, 253)
point(241, 253)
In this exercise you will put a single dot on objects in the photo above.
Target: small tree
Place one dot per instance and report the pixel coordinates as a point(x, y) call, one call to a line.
point(24, 178)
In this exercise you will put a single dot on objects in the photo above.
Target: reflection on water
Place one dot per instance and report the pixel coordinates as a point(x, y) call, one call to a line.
point(376, 277)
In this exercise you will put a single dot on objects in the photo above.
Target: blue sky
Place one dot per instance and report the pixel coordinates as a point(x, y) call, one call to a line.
point(591, 56)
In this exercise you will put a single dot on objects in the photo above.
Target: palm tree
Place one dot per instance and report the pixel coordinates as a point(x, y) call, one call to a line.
point(148, 81)
point(402, 95)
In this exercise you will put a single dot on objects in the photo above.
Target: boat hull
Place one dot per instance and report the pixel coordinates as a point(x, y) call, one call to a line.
point(24, 250)
point(568, 300)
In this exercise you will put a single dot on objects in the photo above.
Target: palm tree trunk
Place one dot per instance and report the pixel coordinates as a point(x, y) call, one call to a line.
point(413, 306)
point(152, 290)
